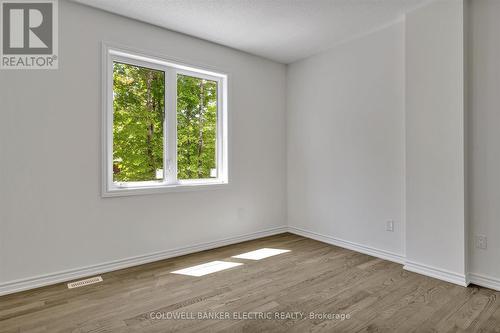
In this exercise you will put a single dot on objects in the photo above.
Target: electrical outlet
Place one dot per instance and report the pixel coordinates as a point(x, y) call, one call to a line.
point(389, 226)
point(481, 242)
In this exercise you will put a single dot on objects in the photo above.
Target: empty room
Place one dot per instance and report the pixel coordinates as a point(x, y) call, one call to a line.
point(249, 166)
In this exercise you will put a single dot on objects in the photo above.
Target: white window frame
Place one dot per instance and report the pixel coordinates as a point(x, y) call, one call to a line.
point(170, 182)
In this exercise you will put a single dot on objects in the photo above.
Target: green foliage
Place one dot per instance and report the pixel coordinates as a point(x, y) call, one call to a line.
point(196, 127)
point(138, 124)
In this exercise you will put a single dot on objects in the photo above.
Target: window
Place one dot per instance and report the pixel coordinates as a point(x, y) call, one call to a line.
point(164, 124)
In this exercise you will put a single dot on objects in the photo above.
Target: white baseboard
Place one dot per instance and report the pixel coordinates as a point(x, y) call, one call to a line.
point(415, 267)
point(383, 254)
point(485, 281)
point(438, 273)
point(68, 275)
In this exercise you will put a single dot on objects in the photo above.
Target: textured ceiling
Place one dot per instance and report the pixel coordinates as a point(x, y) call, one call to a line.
point(281, 30)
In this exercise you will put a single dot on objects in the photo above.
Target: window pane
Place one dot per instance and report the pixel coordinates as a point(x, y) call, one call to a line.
point(138, 116)
point(196, 127)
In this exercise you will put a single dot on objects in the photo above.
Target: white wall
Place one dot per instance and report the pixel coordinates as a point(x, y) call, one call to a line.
point(484, 122)
point(345, 147)
point(345, 139)
point(52, 215)
point(435, 217)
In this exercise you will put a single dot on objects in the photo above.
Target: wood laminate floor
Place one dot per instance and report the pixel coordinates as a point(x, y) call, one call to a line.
point(377, 295)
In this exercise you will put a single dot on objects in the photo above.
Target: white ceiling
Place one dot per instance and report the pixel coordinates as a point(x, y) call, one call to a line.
point(281, 30)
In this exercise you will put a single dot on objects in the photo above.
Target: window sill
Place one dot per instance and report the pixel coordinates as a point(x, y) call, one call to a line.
point(188, 186)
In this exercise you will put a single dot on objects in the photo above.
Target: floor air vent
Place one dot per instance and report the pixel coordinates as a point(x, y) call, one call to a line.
point(81, 283)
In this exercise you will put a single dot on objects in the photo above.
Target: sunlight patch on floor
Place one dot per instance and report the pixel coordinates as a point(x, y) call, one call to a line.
point(208, 268)
point(260, 254)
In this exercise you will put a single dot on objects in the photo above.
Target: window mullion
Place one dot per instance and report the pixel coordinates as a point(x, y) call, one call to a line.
point(170, 143)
